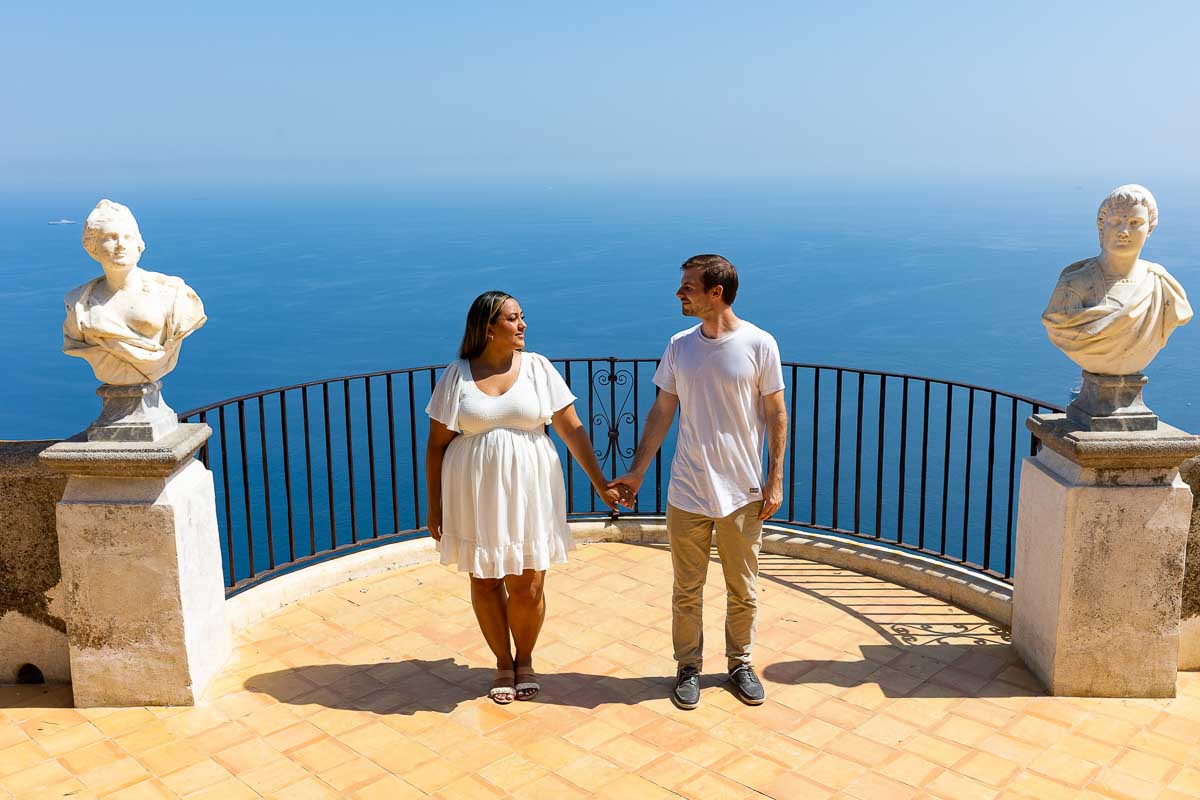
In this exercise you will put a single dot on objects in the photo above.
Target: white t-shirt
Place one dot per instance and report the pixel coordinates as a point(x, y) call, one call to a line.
point(717, 467)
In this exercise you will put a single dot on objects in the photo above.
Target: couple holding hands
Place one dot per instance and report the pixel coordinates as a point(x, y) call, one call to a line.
point(496, 500)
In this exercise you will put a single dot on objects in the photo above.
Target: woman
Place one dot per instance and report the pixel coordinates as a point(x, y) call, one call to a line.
point(497, 506)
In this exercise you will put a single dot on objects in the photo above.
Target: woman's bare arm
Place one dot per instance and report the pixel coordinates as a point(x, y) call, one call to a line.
point(439, 439)
point(569, 428)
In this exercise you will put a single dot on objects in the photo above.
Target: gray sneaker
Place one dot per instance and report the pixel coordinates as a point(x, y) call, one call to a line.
point(746, 685)
point(686, 694)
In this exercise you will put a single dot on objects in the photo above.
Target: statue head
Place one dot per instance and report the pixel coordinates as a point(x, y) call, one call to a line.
point(111, 236)
point(1132, 202)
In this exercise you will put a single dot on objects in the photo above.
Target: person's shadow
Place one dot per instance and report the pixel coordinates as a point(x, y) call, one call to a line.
point(936, 657)
point(935, 670)
point(406, 687)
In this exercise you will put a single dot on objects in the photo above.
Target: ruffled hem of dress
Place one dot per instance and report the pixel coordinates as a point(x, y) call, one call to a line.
point(506, 560)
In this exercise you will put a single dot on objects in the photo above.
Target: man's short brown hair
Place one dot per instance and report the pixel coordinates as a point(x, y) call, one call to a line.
point(715, 271)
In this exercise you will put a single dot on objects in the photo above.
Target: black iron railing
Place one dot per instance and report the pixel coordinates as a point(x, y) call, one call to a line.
point(308, 472)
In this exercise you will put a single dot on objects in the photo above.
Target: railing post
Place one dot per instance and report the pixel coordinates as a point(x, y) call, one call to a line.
point(614, 425)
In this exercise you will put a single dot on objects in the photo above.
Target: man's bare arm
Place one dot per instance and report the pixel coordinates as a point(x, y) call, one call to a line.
point(777, 423)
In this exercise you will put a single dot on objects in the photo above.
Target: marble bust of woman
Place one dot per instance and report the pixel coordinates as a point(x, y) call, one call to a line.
point(1113, 312)
point(128, 323)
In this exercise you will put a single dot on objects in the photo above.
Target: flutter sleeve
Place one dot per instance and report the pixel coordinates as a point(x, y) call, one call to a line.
point(443, 405)
point(552, 391)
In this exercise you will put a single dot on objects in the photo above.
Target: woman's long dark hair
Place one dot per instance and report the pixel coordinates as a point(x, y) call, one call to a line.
point(484, 311)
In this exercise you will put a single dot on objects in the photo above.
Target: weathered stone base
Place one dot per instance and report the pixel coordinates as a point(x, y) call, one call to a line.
point(1189, 644)
point(141, 563)
point(32, 630)
point(1099, 570)
point(134, 413)
point(1111, 403)
point(27, 641)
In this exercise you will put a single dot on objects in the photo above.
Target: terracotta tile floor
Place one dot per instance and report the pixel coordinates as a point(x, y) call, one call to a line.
point(373, 689)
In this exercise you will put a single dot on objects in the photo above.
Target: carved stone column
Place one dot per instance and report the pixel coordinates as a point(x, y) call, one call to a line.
point(1101, 538)
point(141, 569)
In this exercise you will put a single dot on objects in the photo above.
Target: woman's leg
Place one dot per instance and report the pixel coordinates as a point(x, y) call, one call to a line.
point(490, 604)
point(526, 613)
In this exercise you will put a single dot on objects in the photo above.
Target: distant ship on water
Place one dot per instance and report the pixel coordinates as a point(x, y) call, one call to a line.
point(62, 222)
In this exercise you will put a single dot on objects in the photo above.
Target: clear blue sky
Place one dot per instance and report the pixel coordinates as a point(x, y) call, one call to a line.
point(273, 92)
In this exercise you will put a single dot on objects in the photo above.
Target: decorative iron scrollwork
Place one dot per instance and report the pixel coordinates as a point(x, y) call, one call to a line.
point(609, 422)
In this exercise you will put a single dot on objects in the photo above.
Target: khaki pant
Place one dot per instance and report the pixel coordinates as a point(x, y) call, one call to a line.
point(739, 537)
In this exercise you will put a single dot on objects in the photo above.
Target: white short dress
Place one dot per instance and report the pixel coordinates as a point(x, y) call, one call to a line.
point(503, 502)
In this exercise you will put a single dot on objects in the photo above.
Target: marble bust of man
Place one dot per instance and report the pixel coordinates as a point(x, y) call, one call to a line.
point(127, 323)
point(1113, 312)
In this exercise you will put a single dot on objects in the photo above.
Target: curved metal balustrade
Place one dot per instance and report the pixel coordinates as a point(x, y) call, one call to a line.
point(307, 472)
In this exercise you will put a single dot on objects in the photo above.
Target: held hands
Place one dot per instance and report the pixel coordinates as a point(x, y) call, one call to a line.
point(772, 498)
point(610, 497)
point(626, 488)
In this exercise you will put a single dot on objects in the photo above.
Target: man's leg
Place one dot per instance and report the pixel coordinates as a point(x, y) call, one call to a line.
point(690, 537)
point(739, 539)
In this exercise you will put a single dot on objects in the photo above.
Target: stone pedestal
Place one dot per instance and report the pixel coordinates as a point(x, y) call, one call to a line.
point(141, 567)
point(1111, 403)
point(1101, 535)
point(135, 413)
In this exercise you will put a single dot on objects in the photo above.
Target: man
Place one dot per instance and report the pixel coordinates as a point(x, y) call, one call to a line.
point(725, 377)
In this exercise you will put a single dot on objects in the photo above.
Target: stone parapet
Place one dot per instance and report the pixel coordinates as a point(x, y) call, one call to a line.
point(128, 459)
point(1163, 448)
point(32, 629)
point(1101, 535)
point(965, 588)
point(140, 556)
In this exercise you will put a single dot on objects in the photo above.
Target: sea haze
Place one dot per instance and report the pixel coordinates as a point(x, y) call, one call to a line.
point(941, 281)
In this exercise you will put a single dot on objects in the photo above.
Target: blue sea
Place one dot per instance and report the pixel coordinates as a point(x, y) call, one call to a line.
point(306, 283)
